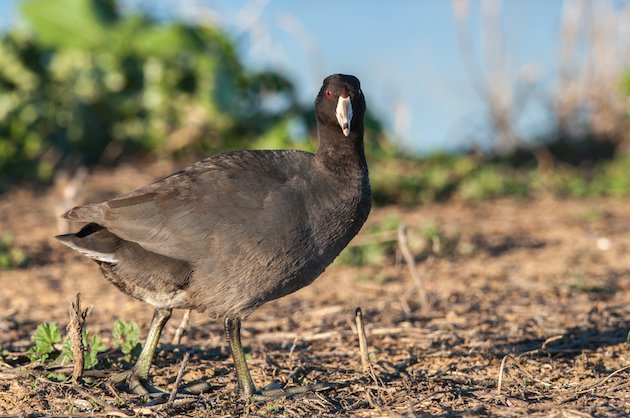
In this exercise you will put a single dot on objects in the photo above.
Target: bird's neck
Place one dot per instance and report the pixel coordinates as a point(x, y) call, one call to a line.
point(340, 153)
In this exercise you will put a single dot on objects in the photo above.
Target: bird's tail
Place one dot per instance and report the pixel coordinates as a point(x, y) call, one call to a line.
point(93, 241)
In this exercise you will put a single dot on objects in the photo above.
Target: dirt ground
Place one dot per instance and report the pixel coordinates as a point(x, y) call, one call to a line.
point(527, 315)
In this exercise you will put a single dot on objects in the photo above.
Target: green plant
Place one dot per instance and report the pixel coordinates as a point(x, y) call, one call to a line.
point(45, 337)
point(92, 345)
point(126, 336)
point(11, 257)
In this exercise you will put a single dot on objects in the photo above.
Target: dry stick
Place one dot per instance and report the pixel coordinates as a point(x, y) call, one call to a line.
point(178, 380)
point(403, 243)
point(183, 326)
point(500, 379)
point(365, 358)
point(75, 332)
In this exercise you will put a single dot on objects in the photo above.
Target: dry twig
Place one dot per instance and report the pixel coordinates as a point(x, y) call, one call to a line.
point(500, 379)
point(178, 380)
point(75, 332)
point(365, 358)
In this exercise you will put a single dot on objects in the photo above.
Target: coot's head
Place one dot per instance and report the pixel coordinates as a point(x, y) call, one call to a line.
point(340, 104)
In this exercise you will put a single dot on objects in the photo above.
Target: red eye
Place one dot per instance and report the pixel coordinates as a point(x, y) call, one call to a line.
point(329, 94)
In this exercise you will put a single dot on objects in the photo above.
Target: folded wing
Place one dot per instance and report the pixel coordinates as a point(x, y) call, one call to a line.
point(176, 216)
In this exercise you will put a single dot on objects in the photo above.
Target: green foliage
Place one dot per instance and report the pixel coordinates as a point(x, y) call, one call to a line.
point(409, 181)
point(108, 85)
point(11, 257)
point(45, 337)
point(92, 345)
point(468, 178)
point(490, 182)
point(126, 336)
point(88, 27)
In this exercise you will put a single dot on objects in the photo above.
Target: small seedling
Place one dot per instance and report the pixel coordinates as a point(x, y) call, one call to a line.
point(126, 336)
point(45, 337)
point(92, 345)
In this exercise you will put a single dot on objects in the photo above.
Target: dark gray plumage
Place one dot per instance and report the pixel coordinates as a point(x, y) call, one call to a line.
point(238, 229)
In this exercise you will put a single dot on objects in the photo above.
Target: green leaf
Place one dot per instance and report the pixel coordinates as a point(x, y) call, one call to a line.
point(46, 335)
point(92, 345)
point(167, 41)
point(69, 23)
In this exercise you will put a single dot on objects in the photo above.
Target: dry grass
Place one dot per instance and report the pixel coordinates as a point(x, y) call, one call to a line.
point(532, 321)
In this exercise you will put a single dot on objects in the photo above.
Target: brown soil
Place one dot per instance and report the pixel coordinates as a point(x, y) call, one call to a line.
point(542, 285)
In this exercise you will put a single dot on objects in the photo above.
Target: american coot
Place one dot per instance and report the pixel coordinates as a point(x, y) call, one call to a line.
point(235, 230)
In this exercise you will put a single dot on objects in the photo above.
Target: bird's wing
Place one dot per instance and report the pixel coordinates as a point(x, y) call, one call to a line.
point(176, 216)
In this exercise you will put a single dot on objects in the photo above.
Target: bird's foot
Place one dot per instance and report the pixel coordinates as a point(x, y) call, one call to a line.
point(273, 392)
point(136, 384)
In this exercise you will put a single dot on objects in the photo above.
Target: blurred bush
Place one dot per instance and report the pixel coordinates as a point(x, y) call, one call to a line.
point(87, 85)
point(472, 178)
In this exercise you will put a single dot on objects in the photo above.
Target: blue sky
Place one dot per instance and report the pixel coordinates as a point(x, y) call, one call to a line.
point(406, 54)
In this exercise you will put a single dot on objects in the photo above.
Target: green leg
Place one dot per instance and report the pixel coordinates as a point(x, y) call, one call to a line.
point(138, 377)
point(145, 359)
point(245, 382)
